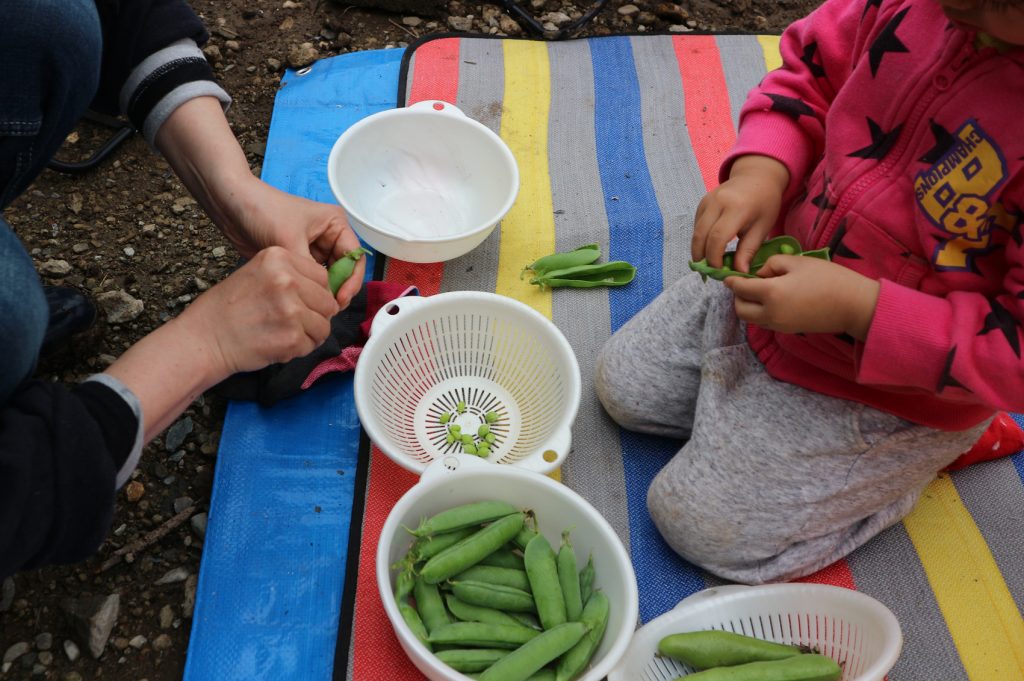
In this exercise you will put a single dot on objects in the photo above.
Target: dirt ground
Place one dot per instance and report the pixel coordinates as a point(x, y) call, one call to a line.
point(130, 226)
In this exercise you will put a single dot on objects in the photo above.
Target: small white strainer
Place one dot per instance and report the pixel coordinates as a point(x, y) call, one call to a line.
point(457, 357)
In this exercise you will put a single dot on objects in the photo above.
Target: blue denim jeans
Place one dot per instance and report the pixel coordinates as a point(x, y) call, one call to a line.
point(50, 55)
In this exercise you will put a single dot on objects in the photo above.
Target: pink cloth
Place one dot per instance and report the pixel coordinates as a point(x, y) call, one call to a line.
point(378, 294)
point(904, 146)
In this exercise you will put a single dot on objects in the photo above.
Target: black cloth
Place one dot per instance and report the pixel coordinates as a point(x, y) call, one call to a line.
point(281, 381)
point(135, 29)
point(60, 451)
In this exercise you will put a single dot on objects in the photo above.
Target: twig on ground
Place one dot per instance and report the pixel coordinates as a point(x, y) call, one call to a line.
point(148, 539)
point(405, 28)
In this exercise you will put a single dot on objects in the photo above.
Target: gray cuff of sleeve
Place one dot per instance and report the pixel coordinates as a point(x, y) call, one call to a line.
point(133, 403)
point(160, 63)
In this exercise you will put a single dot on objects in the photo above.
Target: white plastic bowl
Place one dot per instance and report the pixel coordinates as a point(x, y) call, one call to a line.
point(852, 628)
point(459, 479)
point(424, 183)
point(488, 351)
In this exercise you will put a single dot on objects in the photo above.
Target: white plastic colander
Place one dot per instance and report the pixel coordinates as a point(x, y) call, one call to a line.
point(484, 351)
point(852, 628)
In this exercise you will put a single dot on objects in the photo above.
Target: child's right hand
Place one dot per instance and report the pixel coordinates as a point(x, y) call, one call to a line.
point(274, 308)
point(746, 205)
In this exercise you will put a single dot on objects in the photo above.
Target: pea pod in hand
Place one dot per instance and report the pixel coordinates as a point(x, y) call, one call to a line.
point(342, 268)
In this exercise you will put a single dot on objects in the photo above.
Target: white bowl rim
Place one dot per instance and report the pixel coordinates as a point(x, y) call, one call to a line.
point(374, 119)
point(474, 466)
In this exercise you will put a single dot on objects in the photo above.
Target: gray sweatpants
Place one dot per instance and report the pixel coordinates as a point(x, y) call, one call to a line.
point(775, 481)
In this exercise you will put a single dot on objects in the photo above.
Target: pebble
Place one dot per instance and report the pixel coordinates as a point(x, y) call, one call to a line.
point(166, 618)
point(162, 642)
point(120, 306)
point(71, 650)
point(7, 594)
point(134, 490)
point(181, 503)
point(198, 523)
point(44, 641)
point(174, 575)
point(137, 641)
point(72, 676)
point(273, 65)
point(46, 658)
point(15, 651)
point(189, 604)
point(628, 10)
point(460, 23)
point(412, 21)
point(93, 619)
point(233, 45)
point(55, 268)
point(129, 251)
point(219, 252)
point(177, 433)
point(80, 247)
point(302, 55)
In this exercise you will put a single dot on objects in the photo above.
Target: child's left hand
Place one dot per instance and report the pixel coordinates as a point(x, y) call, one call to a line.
point(806, 295)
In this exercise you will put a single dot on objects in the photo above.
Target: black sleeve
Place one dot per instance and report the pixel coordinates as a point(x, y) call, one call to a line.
point(60, 450)
point(135, 29)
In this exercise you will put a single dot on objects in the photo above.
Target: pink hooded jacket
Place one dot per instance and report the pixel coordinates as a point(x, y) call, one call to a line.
point(905, 146)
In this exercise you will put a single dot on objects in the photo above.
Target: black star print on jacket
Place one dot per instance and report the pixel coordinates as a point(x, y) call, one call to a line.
point(1001, 319)
point(887, 42)
point(816, 69)
point(881, 142)
point(791, 106)
point(943, 142)
point(836, 247)
point(868, 5)
point(946, 380)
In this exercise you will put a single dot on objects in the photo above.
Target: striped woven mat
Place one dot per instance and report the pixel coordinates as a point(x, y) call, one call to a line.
point(617, 140)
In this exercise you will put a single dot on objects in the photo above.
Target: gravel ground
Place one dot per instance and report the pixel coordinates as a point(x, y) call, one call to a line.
point(129, 233)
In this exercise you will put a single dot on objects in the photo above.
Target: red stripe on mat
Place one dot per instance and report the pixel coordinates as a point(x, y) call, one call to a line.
point(707, 108)
point(836, 574)
point(377, 653)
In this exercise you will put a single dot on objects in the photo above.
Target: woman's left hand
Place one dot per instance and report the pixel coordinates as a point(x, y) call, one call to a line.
point(271, 217)
point(795, 294)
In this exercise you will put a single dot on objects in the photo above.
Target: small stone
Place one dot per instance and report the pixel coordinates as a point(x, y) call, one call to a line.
point(93, 619)
point(219, 252)
point(129, 251)
point(181, 503)
point(188, 605)
point(679, 28)
point(15, 651)
point(72, 676)
point(7, 594)
point(628, 10)
point(134, 490)
point(46, 658)
point(38, 669)
point(273, 65)
point(71, 650)
point(137, 642)
point(162, 642)
point(55, 268)
point(302, 55)
point(120, 306)
point(212, 53)
point(460, 23)
point(508, 25)
point(75, 203)
point(177, 433)
point(166, 618)
point(44, 641)
point(80, 247)
point(288, 4)
point(412, 21)
point(233, 45)
point(172, 576)
point(120, 643)
point(198, 523)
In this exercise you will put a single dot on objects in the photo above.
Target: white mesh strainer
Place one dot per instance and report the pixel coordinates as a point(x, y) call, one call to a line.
point(852, 628)
point(485, 352)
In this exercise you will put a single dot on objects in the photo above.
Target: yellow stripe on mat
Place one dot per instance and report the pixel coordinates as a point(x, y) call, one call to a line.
point(528, 230)
point(770, 47)
point(982, 618)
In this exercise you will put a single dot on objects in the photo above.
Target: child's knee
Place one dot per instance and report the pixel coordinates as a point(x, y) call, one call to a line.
point(617, 388)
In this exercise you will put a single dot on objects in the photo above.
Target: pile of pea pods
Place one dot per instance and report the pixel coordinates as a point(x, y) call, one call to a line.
point(579, 268)
point(487, 593)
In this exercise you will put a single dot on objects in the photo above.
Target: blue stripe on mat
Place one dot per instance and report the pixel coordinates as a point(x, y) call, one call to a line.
point(635, 224)
point(273, 566)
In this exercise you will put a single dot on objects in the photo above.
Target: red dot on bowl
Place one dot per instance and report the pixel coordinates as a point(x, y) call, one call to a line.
point(438, 106)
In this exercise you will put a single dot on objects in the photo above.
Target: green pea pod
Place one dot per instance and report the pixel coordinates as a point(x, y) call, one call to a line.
point(821, 253)
point(718, 273)
point(405, 581)
point(810, 667)
point(569, 579)
point(342, 268)
point(533, 655)
point(495, 596)
point(587, 580)
point(412, 618)
point(780, 245)
point(482, 635)
point(595, 616)
point(504, 557)
point(707, 649)
point(429, 605)
point(584, 255)
point(614, 273)
point(471, 659)
point(425, 548)
point(465, 515)
point(543, 572)
point(523, 537)
point(472, 549)
point(467, 612)
point(490, 574)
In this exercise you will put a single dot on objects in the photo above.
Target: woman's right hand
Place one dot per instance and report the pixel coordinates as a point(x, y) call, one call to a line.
point(274, 308)
point(746, 205)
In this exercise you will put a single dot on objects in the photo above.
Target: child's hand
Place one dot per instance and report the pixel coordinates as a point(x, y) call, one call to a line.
point(274, 308)
point(746, 205)
point(793, 294)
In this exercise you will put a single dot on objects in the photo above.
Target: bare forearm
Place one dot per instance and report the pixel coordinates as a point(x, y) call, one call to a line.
point(201, 148)
point(166, 371)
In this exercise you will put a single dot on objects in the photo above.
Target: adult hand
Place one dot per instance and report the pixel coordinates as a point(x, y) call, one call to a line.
point(746, 205)
point(269, 217)
point(795, 294)
point(272, 309)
